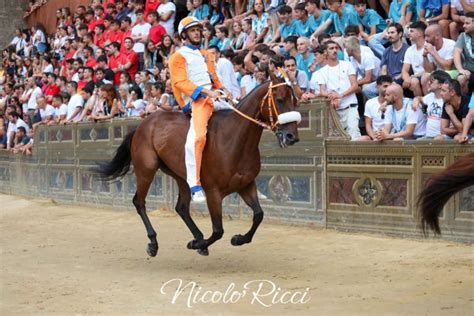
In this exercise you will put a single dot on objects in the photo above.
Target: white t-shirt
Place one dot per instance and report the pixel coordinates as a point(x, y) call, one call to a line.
point(75, 101)
point(226, 74)
point(337, 80)
point(302, 79)
point(62, 110)
point(414, 57)
point(434, 111)
point(407, 116)
point(249, 83)
point(48, 69)
point(446, 51)
point(168, 25)
point(138, 107)
point(368, 61)
point(32, 101)
point(140, 30)
point(372, 110)
point(457, 4)
point(49, 110)
point(315, 82)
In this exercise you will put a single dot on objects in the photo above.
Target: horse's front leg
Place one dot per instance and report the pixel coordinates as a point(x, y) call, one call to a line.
point(249, 195)
point(214, 204)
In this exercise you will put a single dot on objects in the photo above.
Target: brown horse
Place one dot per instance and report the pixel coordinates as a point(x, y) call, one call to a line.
point(231, 158)
point(441, 187)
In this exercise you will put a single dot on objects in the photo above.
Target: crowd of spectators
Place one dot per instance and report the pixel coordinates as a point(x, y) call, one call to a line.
point(406, 67)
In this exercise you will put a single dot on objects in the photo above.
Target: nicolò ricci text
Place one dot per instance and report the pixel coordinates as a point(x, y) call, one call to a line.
point(256, 292)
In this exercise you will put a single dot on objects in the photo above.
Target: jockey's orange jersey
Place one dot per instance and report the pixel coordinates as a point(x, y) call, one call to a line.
point(191, 70)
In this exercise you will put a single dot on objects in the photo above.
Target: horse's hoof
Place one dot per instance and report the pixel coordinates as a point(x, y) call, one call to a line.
point(197, 244)
point(203, 252)
point(152, 250)
point(238, 240)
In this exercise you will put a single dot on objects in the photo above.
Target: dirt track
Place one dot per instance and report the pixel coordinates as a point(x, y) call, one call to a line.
point(78, 260)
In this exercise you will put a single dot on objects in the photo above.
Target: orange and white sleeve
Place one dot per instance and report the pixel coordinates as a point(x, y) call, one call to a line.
point(179, 78)
point(211, 66)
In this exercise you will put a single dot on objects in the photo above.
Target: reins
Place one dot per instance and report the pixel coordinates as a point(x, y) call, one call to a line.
point(272, 109)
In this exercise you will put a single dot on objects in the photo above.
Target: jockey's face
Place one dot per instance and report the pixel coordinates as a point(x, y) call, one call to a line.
point(193, 34)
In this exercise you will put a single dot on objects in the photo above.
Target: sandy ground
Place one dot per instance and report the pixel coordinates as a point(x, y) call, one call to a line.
point(62, 259)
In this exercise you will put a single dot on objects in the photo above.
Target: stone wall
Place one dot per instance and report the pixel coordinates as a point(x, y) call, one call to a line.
point(11, 17)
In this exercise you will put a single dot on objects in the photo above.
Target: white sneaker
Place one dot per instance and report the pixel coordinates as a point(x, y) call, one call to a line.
point(199, 197)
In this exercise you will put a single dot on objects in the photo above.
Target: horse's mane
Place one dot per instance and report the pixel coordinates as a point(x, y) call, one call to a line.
point(439, 189)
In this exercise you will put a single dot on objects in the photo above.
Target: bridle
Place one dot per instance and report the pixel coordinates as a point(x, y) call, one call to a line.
point(276, 119)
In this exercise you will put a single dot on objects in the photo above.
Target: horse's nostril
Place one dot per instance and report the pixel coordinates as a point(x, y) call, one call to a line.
point(290, 136)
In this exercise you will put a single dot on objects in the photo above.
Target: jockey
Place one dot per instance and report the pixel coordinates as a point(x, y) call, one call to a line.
point(193, 78)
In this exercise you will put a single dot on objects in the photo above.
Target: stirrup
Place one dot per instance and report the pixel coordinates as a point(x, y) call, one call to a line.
point(199, 197)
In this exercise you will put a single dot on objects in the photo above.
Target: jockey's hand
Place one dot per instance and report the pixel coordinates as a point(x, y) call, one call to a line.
point(212, 94)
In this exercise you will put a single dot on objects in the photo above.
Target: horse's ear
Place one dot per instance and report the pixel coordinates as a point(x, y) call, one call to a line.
point(274, 78)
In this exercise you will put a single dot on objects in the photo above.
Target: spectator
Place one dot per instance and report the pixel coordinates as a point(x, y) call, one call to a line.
point(320, 57)
point(393, 56)
point(413, 62)
point(438, 54)
point(319, 19)
point(157, 31)
point(300, 77)
point(52, 88)
point(459, 9)
point(468, 123)
point(303, 24)
point(401, 121)
point(22, 139)
point(432, 104)
point(238, 37)
point(33, 92)
point(338, 82)
point(225, 71)
point(117, 61)
point(436, 12)
point(455, 109)
point(304, 58)
point(167, 13)
point(60, 109)
point(288, 26)
point(200, 11)
point(75, 104)
point(132, 58)
point(140, 33)
point(464, 54)
point(259, 23)
point(110, 105)
point(222, 35)
point(15, 123)
point(342, 16)
point(365, 64)
point(372, 27)
point(375, 109)
point(135, 104)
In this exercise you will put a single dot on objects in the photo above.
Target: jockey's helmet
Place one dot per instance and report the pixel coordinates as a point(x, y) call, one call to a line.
point(188, 22)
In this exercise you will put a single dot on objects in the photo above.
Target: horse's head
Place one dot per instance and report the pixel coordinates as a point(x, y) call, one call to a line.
point(278, 108)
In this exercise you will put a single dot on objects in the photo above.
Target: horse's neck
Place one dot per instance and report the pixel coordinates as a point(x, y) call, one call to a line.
point(248, 132)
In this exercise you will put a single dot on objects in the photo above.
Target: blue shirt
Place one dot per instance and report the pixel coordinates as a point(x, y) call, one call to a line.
point(395, 11)
point(202, 12)
point(372, 18)
point(304, 29)
point(433, 7)
point(341, 22)
point(289, 29)
point(225, 44)
point(315, 23)
point(259, 24)
point(303, 64)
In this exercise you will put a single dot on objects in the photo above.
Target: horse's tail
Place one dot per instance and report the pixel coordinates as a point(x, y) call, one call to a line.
point(439, 189)
point(120, 164)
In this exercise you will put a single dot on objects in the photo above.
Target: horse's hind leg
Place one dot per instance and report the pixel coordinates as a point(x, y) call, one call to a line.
point(182, 208)
point(249, 195)
point(214, 204)
point(145, 173)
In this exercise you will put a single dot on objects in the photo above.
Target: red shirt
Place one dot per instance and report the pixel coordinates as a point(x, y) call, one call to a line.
point(51, 90)
point(93, 23)
point(91, 62)
point(99, 40)
point(115, 62)
point(132, 57)
point(156, 33)
point(67, 56)
point(151, 5)
point(115, 36)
